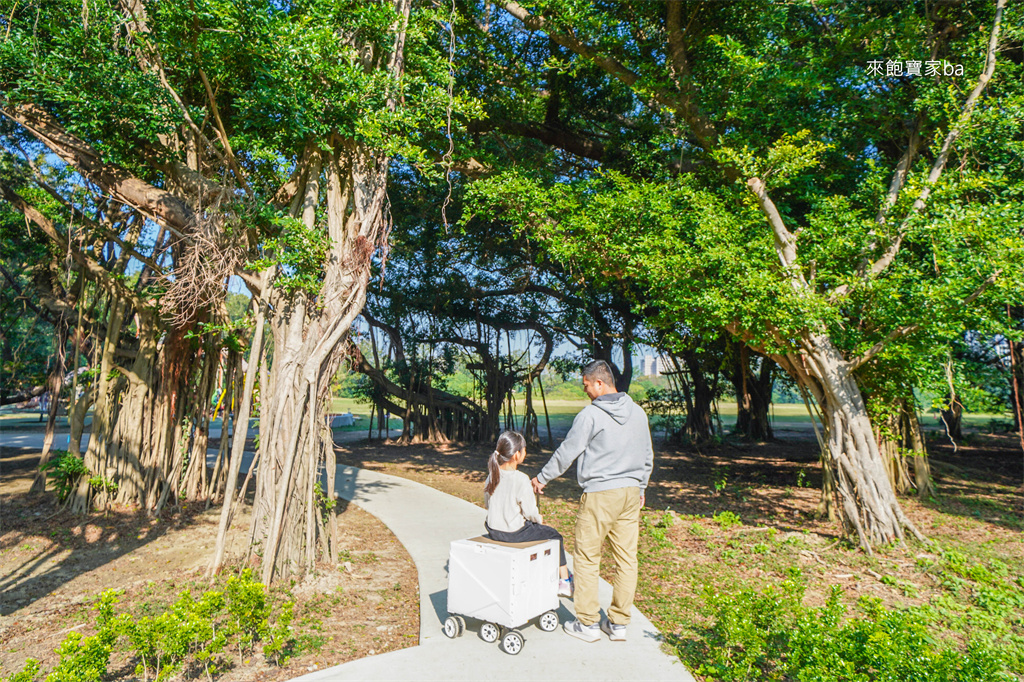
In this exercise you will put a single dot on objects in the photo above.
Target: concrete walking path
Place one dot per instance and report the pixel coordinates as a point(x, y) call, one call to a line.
point(425, 521)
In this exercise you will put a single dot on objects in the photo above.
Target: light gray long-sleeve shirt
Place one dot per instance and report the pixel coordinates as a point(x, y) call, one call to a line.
point(612, 439)
point(513, 502)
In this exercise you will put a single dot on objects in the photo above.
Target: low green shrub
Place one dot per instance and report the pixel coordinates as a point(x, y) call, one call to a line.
point(103, 485)
point(658, 529)
point(192, 633)
point(699, 531)
point(27, 674)
point(250, 612)
point(64, 469)
point(770, 634)
point(281, 645)
point(727, 519)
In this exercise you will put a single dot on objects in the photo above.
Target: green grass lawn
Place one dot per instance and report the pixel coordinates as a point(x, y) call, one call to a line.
point(562, 412)
point(784, 415)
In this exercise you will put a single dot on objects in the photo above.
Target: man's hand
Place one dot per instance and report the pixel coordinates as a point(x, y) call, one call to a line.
point(538, 487)
point(642, 500)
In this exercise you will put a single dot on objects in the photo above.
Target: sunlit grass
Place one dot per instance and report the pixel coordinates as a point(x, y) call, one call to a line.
point(783, 415)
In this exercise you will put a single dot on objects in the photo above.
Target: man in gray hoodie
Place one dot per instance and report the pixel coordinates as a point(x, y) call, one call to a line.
point(610, 441)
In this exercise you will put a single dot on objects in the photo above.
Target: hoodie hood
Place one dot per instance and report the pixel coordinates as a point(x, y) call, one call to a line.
point(619, 406)
point(610, 442)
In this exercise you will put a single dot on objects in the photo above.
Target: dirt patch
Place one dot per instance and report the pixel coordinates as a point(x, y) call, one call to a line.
point(53, 565)
point(763, 481)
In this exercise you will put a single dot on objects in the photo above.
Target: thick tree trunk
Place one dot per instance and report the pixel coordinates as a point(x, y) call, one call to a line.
point(915, 443)
point(901, 444)
point(700, 399)
point(295, 443)
point(868, 502)
point(531, 424)
point(753, 394)
point(544, 402)
point(77, 409)
point(138, 450)
point(105, 410)
point(892, 439)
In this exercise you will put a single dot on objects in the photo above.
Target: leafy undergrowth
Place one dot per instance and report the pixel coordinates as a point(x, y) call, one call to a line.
point(745, 583)
point(794, 610)
point(55, 567)
point(204, 633)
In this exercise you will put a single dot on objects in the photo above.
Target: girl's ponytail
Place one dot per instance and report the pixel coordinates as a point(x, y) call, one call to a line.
point(509, 443)
point(493, 473)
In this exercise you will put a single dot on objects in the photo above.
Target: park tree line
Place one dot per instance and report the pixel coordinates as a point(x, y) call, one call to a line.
point(724, 182)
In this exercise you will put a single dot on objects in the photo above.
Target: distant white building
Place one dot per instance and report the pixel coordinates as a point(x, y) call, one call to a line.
point(652, 366)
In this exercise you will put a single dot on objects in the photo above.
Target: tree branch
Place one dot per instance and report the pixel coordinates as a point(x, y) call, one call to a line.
point(222, 133)
point(92, 267)
point(785, 241)
point(899, 177)
point(552, 135)
point(683, 103)
point(150, 59)
point(156, 203)
point(45, 313)
point(939, 166)
point(877, 348)
point(96, 226)
point(911, 328)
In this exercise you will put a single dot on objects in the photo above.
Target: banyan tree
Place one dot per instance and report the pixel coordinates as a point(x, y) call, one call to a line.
point(248, 161)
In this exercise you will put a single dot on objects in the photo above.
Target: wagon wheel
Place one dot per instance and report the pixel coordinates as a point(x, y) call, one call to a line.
point(451, 627)
point(489, 632)
point(462, 625)
point(512, 642)
point(549, 621)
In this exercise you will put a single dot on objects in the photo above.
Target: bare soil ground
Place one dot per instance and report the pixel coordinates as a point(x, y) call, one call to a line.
point(53, 565)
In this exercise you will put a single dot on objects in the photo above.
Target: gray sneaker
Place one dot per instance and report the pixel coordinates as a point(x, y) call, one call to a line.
point(616, 633)
point(588, 633)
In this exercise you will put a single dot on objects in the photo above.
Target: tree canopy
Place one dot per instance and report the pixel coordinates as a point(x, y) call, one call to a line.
point(835, 189)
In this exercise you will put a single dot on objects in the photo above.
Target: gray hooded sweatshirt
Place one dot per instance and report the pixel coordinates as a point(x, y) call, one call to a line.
point(614, 439)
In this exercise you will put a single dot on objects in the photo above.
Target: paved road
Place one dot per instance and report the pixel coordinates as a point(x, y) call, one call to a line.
point(425, 521)
point(24, 437)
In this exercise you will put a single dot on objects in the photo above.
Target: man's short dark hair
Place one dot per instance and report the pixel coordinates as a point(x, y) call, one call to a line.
point(599, 370)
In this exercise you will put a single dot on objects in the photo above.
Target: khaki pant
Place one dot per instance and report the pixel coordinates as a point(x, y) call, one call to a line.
point(615, 515)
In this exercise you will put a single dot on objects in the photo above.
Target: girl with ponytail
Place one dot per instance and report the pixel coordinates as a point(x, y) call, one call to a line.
point(512, 514)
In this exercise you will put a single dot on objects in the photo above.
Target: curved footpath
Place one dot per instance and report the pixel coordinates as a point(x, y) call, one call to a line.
point(425, 521)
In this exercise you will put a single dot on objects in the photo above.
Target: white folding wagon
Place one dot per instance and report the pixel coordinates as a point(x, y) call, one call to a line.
point(505, 585)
